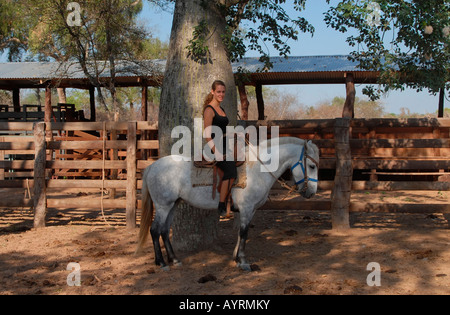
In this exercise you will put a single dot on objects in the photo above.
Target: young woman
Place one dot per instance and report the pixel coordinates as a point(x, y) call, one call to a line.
point(214, 115)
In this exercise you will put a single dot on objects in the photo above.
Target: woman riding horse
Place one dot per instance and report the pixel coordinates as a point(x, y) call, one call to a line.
point(214, 115)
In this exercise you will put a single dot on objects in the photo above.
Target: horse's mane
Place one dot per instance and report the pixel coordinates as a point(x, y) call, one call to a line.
point(282, 141)
point(291, 140)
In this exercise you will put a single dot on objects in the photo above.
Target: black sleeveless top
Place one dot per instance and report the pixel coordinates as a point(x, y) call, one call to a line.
point(228, 167)
point(222, 123)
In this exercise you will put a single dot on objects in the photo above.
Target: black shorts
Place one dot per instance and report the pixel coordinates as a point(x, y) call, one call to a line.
point(229, 169)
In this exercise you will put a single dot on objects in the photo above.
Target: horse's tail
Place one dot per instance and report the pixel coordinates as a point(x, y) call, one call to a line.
point(146, 213)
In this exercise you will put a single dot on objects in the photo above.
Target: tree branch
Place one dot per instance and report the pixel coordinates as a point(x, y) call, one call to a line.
point(230, 3)
point(241, 8)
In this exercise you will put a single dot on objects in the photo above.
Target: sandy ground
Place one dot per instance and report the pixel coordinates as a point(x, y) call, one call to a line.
point(293, 252)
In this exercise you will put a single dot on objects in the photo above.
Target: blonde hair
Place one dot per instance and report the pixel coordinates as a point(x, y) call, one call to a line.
point(209, 97)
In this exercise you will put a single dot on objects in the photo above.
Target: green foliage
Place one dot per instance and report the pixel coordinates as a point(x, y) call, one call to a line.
point(107, 33)
point(407, 41)
point(153, 48)
point(13, 29)
point(198, 50)
point(233, 40)
point(108, 27)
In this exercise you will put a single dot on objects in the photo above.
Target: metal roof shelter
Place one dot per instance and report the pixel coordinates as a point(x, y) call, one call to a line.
point(302, 70)
point(305, 70)
point(26, 75)
point(293, 70)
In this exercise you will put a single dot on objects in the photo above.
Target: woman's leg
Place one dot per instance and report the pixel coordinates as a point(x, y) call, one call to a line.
point(225, 196)
point(230, 174)
point(225, 189)
point(220, 173)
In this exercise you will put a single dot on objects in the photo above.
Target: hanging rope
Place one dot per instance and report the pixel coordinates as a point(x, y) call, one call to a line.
point(103, 174)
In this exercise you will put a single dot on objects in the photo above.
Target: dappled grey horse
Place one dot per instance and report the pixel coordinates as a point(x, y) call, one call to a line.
point(169, 179)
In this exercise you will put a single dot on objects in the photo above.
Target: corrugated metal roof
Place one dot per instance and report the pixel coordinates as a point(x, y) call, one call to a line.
point(292, 70)
point(300, 64)
point(53, 70)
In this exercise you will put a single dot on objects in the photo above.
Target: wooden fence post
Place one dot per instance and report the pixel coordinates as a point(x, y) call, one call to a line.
point(340, 196)
point(131, 175)
point(40, 197)
point(2, 158)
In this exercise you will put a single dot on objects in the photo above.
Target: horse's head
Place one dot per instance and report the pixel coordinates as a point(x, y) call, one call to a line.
point(306, 170)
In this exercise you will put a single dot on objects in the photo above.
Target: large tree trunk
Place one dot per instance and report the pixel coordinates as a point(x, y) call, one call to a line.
point(186, 83)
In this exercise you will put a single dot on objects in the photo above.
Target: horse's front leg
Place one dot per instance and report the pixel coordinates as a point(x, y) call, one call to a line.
point(239, 251)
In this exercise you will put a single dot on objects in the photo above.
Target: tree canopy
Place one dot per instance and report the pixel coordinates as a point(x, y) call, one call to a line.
point(13, 29)
point(407, 41)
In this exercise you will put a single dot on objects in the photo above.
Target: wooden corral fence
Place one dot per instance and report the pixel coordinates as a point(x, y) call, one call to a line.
point(40, 156)
point(375, 154)
point(356, 154)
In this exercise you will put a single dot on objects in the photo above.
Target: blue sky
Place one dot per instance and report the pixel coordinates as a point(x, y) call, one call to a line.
point(326, 41)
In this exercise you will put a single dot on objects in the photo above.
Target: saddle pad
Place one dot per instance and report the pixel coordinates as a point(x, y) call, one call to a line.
point(204, 177)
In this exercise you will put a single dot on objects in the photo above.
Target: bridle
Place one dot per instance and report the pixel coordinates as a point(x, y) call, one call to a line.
point(302, 163)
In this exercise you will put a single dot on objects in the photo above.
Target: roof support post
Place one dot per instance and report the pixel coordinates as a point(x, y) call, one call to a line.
point(92, 102)
point(48, 104)
point(16, 100)
point(441, 103)
point(349, 106)
point(144, 102)
point(260, 101)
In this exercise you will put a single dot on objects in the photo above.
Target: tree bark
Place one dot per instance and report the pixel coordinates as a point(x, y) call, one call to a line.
point(244, 102)
point(341, 193)
point(187, 81)
point(40, 196)
point(62, 95)
point(349, 106)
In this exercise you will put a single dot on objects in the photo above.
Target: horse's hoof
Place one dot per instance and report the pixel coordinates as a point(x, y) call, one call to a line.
point(177, 263)
point(165, 268)
point(245, 267)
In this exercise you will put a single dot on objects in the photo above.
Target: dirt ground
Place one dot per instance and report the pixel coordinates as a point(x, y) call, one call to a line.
point(293, 252)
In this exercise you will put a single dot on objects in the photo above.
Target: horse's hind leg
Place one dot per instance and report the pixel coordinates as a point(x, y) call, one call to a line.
point(156, 231)
point(166, 238)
